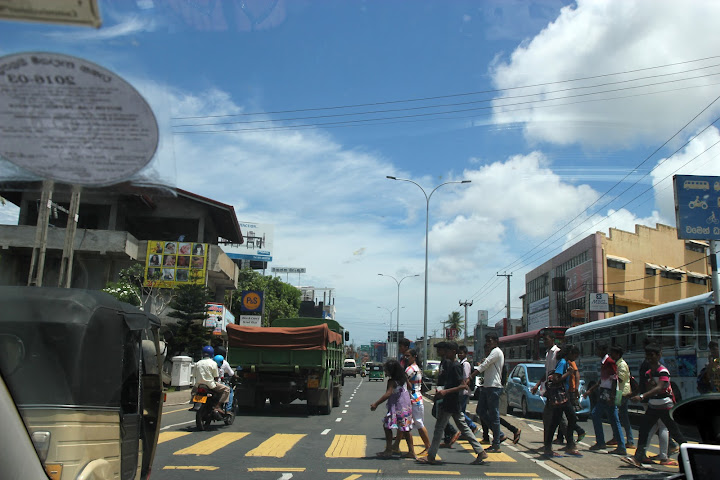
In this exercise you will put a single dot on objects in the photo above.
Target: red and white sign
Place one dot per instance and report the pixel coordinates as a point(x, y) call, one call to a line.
point(575, 280)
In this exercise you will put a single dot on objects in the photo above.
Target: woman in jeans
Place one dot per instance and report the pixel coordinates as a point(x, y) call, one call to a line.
point(557, 397)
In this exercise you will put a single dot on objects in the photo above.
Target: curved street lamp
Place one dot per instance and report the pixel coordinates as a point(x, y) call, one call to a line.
point(427, 223)
point(397, 330)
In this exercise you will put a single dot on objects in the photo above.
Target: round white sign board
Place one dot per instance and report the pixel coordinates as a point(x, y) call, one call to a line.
point(72, 121)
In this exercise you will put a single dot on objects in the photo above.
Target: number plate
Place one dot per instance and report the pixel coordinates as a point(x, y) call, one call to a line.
point(200, 399)
point(313, 383)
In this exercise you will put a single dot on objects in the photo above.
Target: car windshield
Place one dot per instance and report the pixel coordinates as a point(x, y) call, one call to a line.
point(535, 374)
point(281, 185)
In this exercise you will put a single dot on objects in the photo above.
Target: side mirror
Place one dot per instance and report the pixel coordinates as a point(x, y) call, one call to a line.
point(516, 379)
point(347, 336)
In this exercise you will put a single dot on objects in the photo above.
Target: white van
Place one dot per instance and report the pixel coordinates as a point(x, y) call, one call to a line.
point(349, 368)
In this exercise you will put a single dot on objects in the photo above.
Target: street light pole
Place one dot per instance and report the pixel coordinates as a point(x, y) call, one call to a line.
point(427, 226)
point(397, 330)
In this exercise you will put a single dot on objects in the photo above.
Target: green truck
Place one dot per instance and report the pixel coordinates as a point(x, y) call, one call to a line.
point(295, 359)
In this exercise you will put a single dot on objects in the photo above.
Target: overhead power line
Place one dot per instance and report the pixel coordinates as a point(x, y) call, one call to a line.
point(430, 114)
point(453, 95)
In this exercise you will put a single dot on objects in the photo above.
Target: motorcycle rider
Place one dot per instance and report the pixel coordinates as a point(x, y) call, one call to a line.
point(206, 372)
point(224, 368)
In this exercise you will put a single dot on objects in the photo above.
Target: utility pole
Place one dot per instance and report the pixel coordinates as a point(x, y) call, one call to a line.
point(507, 276)
point(466, 304)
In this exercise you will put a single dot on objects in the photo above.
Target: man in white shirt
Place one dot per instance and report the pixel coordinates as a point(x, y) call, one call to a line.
point(551, 361)
point(489, 400)
point(206, 373)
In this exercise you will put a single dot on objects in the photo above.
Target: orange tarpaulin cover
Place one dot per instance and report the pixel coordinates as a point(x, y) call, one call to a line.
point(315, 337)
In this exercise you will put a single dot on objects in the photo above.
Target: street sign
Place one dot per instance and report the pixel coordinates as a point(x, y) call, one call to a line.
point(250, 321)
point(577, 313)
point(697, 207)
point(67, 119)
point(599, 302)
point(251, 301)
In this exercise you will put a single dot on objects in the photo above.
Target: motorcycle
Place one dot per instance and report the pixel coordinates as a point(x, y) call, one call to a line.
point(204, 402)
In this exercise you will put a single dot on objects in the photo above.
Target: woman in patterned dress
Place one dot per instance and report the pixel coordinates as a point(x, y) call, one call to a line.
point(399, 410)
point(414, 375)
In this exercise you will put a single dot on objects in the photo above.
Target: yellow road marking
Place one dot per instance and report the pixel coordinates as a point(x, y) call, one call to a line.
point(433, 472)
point(167, 436)
point(492, 457)
point(276, 446)
point(347, 446)
point(353, 477)
point(196, 468)
point(212, 444)
point(354, 470)
point(186, 409)
point(273, 469)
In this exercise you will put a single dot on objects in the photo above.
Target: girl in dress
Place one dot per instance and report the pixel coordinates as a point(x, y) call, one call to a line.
point(399, 410)
point(414, 375)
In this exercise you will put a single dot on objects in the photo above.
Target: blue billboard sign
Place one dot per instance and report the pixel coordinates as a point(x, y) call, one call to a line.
point(697, 207)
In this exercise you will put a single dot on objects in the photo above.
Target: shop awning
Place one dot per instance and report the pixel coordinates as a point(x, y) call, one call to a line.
point(697, 275)
point(618, 259)
point(653, 266)
point(698, 242)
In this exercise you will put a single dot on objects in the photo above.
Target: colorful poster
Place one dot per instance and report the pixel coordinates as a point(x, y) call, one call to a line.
point(169, 264)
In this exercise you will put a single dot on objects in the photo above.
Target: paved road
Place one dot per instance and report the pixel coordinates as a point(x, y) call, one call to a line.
point(285, 443)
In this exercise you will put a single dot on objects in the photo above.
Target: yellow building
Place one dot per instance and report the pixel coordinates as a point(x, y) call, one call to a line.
point(652, 266)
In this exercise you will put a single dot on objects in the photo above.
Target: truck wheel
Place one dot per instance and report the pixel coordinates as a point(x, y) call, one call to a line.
point(337, 392)
point(327, 408)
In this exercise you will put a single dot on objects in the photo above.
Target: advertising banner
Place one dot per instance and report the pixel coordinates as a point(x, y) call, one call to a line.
point(169, 264)
point(599, 302)
point(697, 207)
point(257, 242)
point(575, 280)
point(539, 314)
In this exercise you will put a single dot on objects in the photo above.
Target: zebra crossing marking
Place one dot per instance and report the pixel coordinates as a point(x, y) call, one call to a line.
point(276, 446)
point(167, 436)
point(212, 444)
point(347, 446)
point(196, 468)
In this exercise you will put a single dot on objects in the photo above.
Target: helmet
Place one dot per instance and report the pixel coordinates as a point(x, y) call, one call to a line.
point(208, 351)
point(219, 359)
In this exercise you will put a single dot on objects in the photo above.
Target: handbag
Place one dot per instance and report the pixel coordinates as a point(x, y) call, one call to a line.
point(424, 387)
point(607, 396)
point(618, 397)
point(556, 394)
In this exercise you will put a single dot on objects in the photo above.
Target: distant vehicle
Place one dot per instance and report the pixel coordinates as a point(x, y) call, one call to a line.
point(431, 373)
point(350, 368)
point(527, 347)
point(376, 372)
point(522, 379)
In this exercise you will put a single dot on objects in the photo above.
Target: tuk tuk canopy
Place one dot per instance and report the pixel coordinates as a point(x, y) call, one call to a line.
point(68, 347)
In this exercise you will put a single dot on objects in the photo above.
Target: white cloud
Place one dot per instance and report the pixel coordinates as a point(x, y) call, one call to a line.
point(598, 37)
point(685, 163)
point(128, 26)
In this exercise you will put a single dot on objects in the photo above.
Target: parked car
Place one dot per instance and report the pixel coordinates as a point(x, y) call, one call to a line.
point(431, 373)
point(350, 368)
point(522, 379)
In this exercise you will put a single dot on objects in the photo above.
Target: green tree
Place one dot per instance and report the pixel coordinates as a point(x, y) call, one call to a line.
point(130, 288)
point(282, 300)
point(455, 320)
point(189, 335)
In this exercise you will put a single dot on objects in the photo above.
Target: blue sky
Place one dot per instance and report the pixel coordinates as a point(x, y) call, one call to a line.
point(537, 157)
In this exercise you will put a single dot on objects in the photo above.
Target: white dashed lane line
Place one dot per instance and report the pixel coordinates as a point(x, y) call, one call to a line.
point(325, 432)
point(339, 419)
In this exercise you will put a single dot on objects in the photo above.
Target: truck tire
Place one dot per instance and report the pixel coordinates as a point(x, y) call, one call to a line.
point(327, 408)
point(337, 393)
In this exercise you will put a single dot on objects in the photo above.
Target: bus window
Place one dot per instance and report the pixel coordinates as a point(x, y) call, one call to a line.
point(686, 331)
point(702, 340)
point(664, 327)
point(619, 337)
